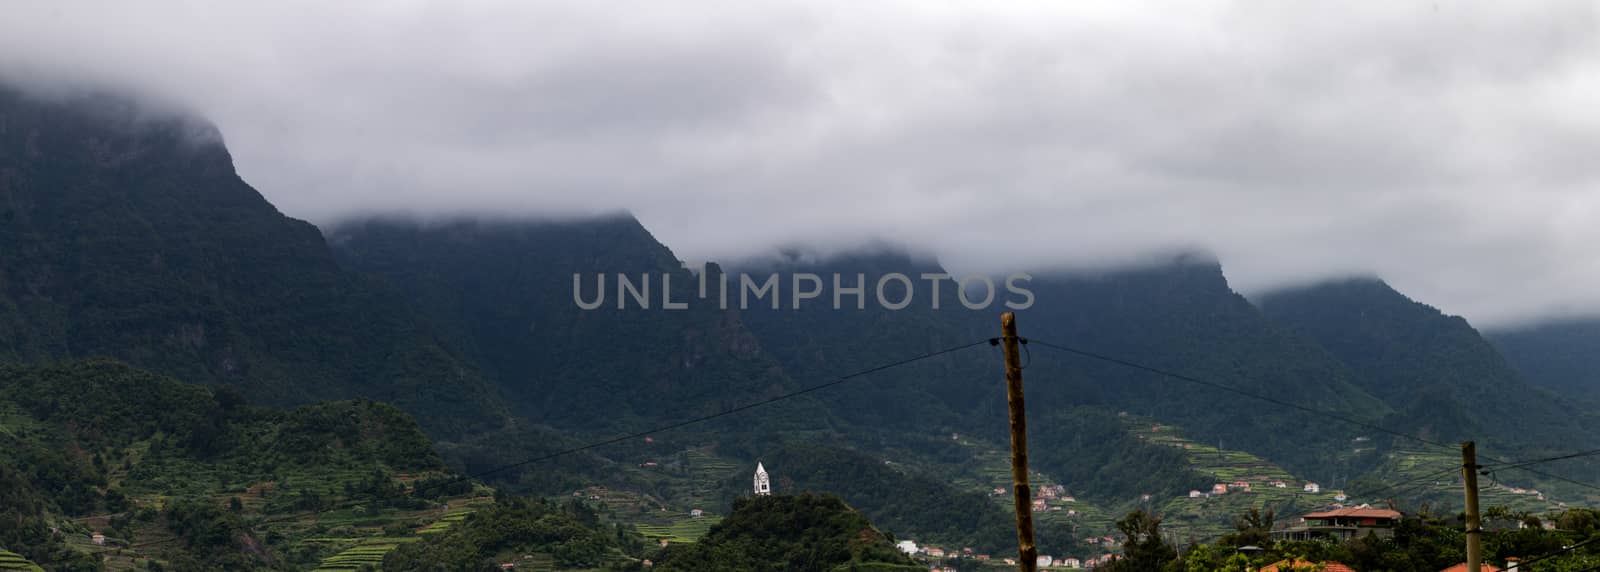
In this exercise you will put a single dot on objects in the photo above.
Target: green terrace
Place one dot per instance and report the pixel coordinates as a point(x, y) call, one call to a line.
point(11, 561)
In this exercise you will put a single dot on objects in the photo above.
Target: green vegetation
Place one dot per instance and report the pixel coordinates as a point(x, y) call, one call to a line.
point(13, 562)
point(1419, 543)
point(784, 532)
point(570, 535)
point(98, 446)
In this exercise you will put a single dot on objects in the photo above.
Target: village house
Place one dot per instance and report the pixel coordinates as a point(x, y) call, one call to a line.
point(697, 513)
point(1343, 524)
point(1241, 485)
point(1039, 505)
point(907, 546)
point(1046, 492)
point(1194, 494)
point(1313, 488)
point(1219, 489)
point(99, 539)
point(1279, 484)
point(1070, 562)
point(1045, 560)
point(935, 552)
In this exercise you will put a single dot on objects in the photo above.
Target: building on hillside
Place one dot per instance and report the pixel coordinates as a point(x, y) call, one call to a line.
point(1340, 497)
point(1045, 560)
point(907, 546)
point(99, 539)
point(935, 552)
point(1219, 489)
point(1039, 505)
point(1240, 485)
point(1070, 562)
point(697, 513)
point(1279, 484)
point(1342, 524)
point(763, 484)
point(1313, 488)
point(1194, 494)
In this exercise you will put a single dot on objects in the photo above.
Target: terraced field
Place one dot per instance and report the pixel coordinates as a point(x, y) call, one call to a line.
point(678, 530)
point(13, 562)
point(368, 552)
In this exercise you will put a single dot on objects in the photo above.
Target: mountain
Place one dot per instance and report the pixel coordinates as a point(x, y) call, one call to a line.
point(817, 342)
point(1563, 356)
point(504, 291)
point(783, 532)
point(126, 232)
point(1181, 316)
point(1444, 381)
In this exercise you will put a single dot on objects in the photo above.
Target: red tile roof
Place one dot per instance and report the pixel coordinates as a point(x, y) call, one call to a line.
point(1285, 566)
point(1462, 567)
point(1356, 513)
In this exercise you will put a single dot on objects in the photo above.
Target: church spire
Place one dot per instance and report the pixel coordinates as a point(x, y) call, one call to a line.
point(763, 485)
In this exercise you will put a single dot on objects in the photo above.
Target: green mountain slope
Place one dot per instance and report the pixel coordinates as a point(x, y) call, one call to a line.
point(1444, 381)
point(504, 291)
point(127, 233)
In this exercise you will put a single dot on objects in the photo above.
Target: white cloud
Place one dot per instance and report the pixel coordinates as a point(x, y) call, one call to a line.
point(1447, 147)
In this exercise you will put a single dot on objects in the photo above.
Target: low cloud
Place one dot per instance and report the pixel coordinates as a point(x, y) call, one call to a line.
point(1445, 147)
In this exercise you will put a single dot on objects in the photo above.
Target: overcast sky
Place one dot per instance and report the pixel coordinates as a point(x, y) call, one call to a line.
point(1452, 148)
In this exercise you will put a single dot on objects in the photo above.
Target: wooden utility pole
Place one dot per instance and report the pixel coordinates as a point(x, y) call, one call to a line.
point(1027, 553)
point(1469, 470)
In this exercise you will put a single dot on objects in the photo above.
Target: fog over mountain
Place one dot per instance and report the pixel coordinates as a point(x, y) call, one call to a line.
point(1446, 147)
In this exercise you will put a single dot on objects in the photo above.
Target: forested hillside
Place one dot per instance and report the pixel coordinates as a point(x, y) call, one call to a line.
point(1444, 381)
point(127, 233)
point(503, 290)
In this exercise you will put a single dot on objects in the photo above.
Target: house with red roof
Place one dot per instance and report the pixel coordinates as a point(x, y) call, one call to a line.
point(1343, 524)
point(1462, 567)
point(1304, 566)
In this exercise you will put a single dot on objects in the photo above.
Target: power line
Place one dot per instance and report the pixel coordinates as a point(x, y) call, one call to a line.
point(1546, 556)
point(725, 413)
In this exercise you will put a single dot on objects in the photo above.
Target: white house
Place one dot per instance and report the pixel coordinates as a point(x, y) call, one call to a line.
point(1045, 560)
point(1070, 562)
point(1313, 488)
point(906, 546)
point(1194, 494)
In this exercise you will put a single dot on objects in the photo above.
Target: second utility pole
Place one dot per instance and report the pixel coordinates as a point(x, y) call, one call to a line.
point(1027, 553)
point(1469, 470)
